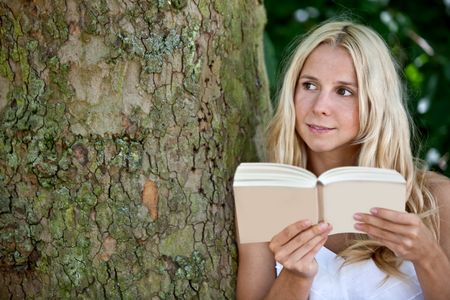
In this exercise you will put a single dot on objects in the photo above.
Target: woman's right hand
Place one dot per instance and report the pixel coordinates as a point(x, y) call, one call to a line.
point(296, 246)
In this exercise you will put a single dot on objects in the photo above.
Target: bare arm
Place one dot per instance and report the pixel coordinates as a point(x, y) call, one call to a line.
point(294, 247)
point(407, 236)
point(434, 269)
point(256, 271)
point(441, 190)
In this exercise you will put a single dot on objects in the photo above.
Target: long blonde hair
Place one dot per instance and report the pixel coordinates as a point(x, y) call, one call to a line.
point(384, 130)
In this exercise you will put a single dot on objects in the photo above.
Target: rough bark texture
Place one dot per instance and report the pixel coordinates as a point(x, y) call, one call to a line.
point(122, 122)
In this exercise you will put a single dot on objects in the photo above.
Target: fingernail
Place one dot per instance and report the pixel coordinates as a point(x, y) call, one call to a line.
point(358, 226)
point(307, 223)
point(357, 216)
point(374, 210)
point(323, 226)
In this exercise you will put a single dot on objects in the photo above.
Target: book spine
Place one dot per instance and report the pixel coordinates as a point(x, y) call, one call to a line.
point(320, 201)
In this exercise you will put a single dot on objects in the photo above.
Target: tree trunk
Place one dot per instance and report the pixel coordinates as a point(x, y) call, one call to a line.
point(121, 125)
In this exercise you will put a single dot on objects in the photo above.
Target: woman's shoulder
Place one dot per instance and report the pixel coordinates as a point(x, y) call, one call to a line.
point(439, 186)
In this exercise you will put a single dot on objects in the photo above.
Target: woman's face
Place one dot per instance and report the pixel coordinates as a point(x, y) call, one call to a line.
point(326, 101)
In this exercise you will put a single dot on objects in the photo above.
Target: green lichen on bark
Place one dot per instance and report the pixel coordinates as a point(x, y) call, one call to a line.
point(95, 16)
point(104, 99)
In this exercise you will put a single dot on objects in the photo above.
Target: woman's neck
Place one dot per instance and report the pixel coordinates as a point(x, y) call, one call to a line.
point(321, 162)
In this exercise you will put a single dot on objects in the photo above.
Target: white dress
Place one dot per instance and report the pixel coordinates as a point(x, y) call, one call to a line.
point(361, 280)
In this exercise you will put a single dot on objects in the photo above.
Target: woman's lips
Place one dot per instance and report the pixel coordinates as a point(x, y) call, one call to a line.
point(319, 129)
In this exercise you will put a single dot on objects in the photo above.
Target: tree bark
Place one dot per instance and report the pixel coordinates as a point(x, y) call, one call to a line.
point(122, 123)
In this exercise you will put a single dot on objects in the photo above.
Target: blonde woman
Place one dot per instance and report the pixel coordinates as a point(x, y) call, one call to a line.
point(341, 104)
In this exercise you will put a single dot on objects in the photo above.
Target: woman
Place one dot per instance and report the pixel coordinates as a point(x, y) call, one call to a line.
point(341, 104)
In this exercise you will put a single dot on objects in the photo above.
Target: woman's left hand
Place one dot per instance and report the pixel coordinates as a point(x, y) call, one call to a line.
point(404, 233)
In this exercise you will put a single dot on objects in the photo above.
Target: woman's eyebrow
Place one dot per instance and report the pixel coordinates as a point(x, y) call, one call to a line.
point(347, 83)
point(306, 76)
point(340, 82)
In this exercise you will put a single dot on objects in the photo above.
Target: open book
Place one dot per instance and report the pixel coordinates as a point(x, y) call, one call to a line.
point(270, 196)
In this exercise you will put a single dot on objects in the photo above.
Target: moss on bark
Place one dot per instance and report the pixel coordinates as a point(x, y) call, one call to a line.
point(103, 99)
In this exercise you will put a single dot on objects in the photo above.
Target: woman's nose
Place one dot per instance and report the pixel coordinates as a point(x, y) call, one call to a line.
point(322, 103)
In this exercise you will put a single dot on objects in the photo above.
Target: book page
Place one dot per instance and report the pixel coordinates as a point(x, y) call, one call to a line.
point(263, 211)
point(265, 174)
point(360, 174)
point(343, 199)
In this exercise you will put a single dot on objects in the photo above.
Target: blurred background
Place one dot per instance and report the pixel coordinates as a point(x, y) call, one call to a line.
point(418, 33)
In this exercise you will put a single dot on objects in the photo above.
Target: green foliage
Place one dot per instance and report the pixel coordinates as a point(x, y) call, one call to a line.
point(417, 33)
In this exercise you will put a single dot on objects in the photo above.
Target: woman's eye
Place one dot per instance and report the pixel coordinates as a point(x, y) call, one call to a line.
point(309, 86)
point(344, 92)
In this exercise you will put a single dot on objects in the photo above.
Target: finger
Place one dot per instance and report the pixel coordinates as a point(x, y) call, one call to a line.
point(312, 254)
point(301, 260)
point(392, 226)
point(298, 247)
point(395, 216)
point(303, 238)
point(290, 231)
point(393, 246)
point(378, 233)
